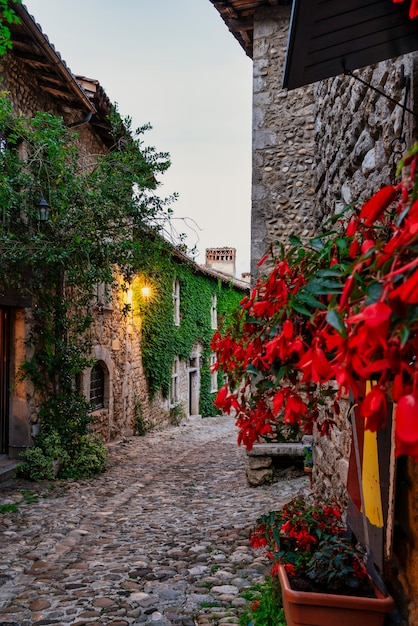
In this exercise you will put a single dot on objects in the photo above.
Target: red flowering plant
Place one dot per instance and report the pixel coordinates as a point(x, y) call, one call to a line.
point(413, 8)
point(308, 537)
point(331, 315)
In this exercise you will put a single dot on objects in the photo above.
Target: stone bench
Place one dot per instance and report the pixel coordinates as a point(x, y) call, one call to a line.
point(264, 457)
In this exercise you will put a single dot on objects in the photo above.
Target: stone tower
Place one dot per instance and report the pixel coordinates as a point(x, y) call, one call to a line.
point(221, 260)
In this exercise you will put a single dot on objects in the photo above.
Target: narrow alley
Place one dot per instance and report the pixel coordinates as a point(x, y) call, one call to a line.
point(161, 538)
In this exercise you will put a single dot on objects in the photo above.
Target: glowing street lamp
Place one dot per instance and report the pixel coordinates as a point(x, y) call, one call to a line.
point(146, 292)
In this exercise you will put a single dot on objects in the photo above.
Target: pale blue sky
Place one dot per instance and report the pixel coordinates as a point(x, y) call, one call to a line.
point(174, 64)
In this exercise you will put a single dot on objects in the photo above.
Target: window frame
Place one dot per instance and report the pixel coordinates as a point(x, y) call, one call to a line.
point(176, 302)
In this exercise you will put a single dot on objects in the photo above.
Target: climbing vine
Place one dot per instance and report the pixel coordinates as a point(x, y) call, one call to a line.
point(162, 340)
point(7, 16)
point(102, 210)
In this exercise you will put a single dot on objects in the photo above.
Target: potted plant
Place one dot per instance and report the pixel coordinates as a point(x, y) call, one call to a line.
point(331, 314)
point(322, 573)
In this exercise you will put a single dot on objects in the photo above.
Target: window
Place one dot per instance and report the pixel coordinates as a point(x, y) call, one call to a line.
point(97, 387)
point(214, 312)
point(213, 373)
point(175, 382)
point(102, 299)
point(176, 302)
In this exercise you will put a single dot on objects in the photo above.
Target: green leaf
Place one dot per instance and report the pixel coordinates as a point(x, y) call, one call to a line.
point(404, 335)
point(335, 320)
point(252, 370)
point(295, 241)
point(306, 298)
point(374, 291)
point(320, 287)
point(317, 243)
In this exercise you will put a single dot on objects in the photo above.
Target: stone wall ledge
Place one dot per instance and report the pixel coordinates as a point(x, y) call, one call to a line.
point(276, 449)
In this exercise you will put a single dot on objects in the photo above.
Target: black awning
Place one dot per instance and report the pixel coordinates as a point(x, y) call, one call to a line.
point(328, 37)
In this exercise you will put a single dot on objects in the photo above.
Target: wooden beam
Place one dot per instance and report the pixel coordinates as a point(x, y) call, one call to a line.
point(240, 25)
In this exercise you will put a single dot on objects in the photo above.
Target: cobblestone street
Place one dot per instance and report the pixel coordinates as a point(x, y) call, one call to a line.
point(160, 538)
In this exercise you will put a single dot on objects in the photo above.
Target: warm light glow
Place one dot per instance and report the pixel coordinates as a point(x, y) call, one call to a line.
point(146, 292)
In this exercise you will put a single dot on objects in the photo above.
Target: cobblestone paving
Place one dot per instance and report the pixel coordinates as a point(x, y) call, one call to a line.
point(159, 539)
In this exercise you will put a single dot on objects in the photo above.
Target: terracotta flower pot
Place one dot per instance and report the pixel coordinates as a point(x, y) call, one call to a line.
point(308, 472)
point(303, 608)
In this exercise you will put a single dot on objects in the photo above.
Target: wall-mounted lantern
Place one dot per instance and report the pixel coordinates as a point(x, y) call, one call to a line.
point(146, 291)
point(44, 210)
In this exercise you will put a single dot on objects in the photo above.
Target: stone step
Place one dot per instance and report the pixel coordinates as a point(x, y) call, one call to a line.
point(7, 468)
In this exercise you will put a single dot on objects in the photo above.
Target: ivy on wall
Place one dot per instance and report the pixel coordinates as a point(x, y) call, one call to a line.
point(57, 263)
point(162, 340)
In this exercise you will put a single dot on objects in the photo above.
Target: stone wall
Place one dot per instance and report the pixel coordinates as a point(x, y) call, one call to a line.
point(283, 147)
point(116, 339)
point(357, 135)
point(356, 131)
point(316, 150)
point(28, 98)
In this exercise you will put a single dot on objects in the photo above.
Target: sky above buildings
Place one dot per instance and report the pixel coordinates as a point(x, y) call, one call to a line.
point(174, 64)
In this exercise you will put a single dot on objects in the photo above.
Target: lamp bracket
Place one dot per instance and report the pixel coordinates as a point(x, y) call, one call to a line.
point(404, 83)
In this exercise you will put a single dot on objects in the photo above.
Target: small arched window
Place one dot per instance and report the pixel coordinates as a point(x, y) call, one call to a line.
point(97, 387)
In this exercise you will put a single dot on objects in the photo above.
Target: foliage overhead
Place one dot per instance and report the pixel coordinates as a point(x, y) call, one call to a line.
point(331, 315)
point(7, 16)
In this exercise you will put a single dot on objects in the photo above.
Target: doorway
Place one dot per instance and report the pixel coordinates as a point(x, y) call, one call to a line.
point(4, 379)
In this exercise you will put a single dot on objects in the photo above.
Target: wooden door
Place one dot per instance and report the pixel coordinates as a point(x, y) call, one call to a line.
point(4, 379)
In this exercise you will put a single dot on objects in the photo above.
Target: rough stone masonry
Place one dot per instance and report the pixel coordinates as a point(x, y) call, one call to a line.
point(161, 538)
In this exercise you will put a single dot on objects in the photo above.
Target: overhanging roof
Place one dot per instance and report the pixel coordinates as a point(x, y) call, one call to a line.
point(238, 15)
point(32, 47)
point(327, 38)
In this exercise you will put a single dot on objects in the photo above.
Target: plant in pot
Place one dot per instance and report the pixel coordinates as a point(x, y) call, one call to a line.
point(322, 573)
point(330, 315)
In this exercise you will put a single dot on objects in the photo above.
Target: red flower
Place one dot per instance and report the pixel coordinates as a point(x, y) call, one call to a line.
point(407, 419)
point(374, 208)
point(315, 366)
point(373, 315)
point(413, 9)
point(374, 409)
point(408, 291)
point(290, 569)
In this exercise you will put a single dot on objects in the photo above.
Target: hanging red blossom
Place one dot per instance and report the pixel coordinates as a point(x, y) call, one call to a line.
point(413, 9)
point(326, 319)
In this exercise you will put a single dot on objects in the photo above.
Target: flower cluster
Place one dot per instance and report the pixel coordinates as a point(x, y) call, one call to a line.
point(307, 537)
point(330, 316)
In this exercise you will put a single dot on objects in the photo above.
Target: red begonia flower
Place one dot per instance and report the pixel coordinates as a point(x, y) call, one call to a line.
point(373, 315)
point(407, 292)
point(413, 9)
point(352, 227)
point(374, 409)
point(374, 208)
point(407, 419)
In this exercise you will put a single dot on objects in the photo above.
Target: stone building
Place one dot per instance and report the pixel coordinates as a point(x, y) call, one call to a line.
point(37, 79)
point(327, 134)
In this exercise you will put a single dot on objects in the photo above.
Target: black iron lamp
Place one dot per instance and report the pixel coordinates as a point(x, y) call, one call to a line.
point(44, 210)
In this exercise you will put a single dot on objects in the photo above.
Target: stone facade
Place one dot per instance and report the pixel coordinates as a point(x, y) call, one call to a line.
point(283, 191)
point(316, 150)
point(357, 131)
point(115, 339)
